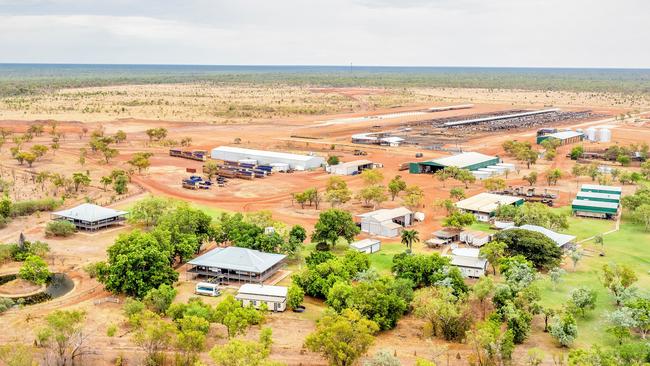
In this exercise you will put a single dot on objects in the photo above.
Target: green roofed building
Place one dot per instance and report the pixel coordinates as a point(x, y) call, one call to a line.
point(565, 137)
point(467, 160)
point(601, 197)
point(598, 209)
point(601, 189)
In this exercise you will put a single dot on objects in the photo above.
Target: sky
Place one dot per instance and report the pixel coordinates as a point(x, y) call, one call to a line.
point(490, 33)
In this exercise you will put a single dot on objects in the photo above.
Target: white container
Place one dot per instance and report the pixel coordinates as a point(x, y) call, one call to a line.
point(207, 288)
point(481, 175)
point(247, 161)
point(604, 135)
point(591, 134)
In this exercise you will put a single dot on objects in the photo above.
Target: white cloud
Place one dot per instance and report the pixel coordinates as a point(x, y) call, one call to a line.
point(555, 33)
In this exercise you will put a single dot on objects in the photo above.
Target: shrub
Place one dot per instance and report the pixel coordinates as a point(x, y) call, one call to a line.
point(25, 208)
point(35, 270)
point(111, 330)
point(295, 296)
point(159, 299)
point(61, 228)
point(5, 304)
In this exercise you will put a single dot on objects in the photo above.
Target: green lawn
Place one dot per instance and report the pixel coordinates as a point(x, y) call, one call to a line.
point(584, 228)
point(629, 246)
point(382, 261)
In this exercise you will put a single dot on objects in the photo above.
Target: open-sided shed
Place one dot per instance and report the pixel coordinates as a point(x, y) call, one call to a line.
point(468, 160)
point(88, 216)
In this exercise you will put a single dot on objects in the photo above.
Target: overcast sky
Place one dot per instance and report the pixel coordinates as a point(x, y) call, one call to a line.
point(545, 33)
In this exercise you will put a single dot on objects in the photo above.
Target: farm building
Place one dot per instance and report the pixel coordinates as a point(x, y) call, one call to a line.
point(386, 222)
point(601, 197)
point(483, 205)
point(275, 297)
point(603, 210)
point(295, 161)
point(351, 167)
point(376, 139)
point(88, 216)
point(469, 262)
point(467, 160)
point(237, 264)
point(562, 240)
point(366, 246)
point(565, 137)
point(596, 188)
point(447, 235)
point(475, 238)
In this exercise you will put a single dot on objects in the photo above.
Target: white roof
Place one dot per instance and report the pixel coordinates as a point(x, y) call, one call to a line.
point(468, 262)
point(486, 202)
point(250, 153)
point(588, 194)
point(463, 159)
point(563, 135)
point(354, 163)
point(392, 139)
point(365, 243)
point(390, 225)
point(264, 290)
point(559, 239)
point(602, 188)
point(387, 214)
point(496, 118)
point(238, 259)
point(466, 252)
point(89, 212)
point(600, 204)
point(364, 136)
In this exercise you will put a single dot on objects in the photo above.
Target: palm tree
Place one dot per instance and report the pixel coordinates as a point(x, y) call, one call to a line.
point(409, 237)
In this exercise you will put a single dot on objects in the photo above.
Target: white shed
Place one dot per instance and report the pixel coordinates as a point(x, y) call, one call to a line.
point(275, 297)
point(469, 262)
point(366, 245)
point(386, 222)
point(351, 167)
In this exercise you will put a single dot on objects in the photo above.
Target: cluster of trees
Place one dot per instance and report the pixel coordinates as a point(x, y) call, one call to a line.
point(332, 225)
point(522, 151)
point(615, 174)
point(139, 261)
point(156, 134)
point(119, 179)
point(324, 270)
point(533, 213)
point(638, 205)
point(249, 232)
point(451, 172)
point(536, 247)
point(22, 250)
point(550, 146)
point(429, 270)
point(101, 143)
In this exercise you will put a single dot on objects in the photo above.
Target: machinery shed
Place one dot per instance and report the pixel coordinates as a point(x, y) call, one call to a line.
point(604, 210)
point(601, 197)
point(351, 167)
point(483, 205)
point(295, 161)
point(565, 137)
point(468, 160)
point(601, 189)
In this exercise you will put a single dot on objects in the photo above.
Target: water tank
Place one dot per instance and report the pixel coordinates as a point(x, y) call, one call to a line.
point(604, 135)
point(591, 134)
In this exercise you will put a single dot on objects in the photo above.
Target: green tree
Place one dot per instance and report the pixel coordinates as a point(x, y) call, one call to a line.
point(137, 263)
point(409, 237)
point(120, 136)
point(582, 299)
point(535, 247)
point(140, 161)
point(383, 358)
point(106, 181)
point(333, 160)
point(120, 183)
point(493, 252)
point(576, 152)
point(372, 177)
point(555, 274)
point(39, 150)
point(235, 317)
point(342, 338)
point(397, 185)
point(457, 194)
point(494, 184)
point(553, 175)
point(641, 215)
point(413, 197)
point(331, 225)
point(154, 336)
point(239, 352)
point(80, 180)
point(211, 169)
point(149, 210)
point(617, 279)
point(447, 315)
point(491, 344)
point(482, 290)
point(295, 296)
point(337, 191)
point(531, 178)
point(459, 220)
point(159, 300)
point(564, 329)
point(624, 160)
point(35, 270)
point(374, 193)
point(63, 336)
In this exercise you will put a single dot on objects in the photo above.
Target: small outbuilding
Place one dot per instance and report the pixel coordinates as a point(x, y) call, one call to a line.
point(91, 217)
point(447, 235)
point(366, 246)
point(469, 261)
point(386, 222)
point(275, 297)
point(564, 137)
point(484, 205)
point(475, 238)
point(351, 167)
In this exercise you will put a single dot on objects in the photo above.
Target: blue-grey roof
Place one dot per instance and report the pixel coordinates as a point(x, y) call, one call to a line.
point(238, 259)
point(89, 212)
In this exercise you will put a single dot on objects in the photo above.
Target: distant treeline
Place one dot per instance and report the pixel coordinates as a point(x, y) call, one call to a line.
point(29, 79)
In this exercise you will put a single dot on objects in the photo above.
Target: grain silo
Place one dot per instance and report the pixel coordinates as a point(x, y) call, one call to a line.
point(605, 135)
point(591, 134)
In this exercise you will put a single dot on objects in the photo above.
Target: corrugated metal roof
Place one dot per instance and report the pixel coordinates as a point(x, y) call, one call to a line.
point(559, 239)
point(496, 118)
point(256, 289)
point(89, 212)
point(362, 244)
point(238, 259)
point(598, 204)
point(609, 196)
point(486, 202)
point(354, 163)
point(463, 160)
point(387, 214)
point(563, 135)
point(468, 262)
point(250, 153)
point(598, 187)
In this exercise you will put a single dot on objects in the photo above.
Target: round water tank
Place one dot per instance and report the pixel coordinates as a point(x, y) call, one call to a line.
point(591, 134)
point(605, 135)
